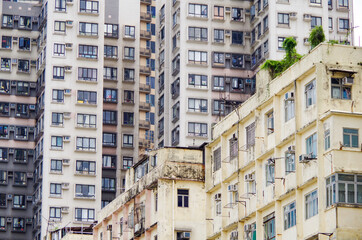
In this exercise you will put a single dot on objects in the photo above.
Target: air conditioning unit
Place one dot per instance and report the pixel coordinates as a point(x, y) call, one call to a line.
point(16, 17)
point(67, 91)
point(347, 81)
point(178, 34)
point(227, 80)
point(31, 129)
point(66, 138)
point(29, 175)
point(249, 177)
point(65, 210)
point(35, 19)
point(14, 61)
point(185, 235)
point(69, 23)
point(227, 55)
point(9, 197)
point(29, 221)
point(232, 188)
point(66, 162)
point(32, 107)
point(12, 105)
point(65, 185)
point(234, 235)
point(66, 115)
point(9, 219)
point(29, 198)
point(304, 158)
point(227, 33)
point(11, 128)
point(227, 9)
point(289, 96)
point(32, 85)
point(68, 68)
point(291, 149)
point(33, 63)
point(218, 197)
point(247, 228)
point(11, 150)
point(307, 17)
point(70, 2)
point(15, 39)
point(69, 45)
point(109, 227)
point(306, 41)
point(137, 227)
point(293, 15)
point(30, 152)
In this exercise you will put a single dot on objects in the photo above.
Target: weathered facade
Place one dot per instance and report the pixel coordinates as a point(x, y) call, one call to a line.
point(286, 164)
point(164, 190)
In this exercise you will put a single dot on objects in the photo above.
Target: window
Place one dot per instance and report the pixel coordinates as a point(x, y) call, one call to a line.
point(56, 165)
point(250, 135)
point(129, 53)
point(339, 90)
point(3, 176)
point(59, 26)
point(311, 145)
point(128, 96)
point(109, 117)
point(55, 189)
point(87, 191)
point(237, 14)
point(197, 105)
point(5, 64)
point(25, 23)
point(316, 21)
point(109, 161)
point(283, 18)
point(217, 159)
point(327, 139)
point(21, 133)
point(237, 37)
point(4, 131)
point(6, 42)
point(110, 73)
point(108, 184)
point(58, 72)
point(289, 216)
point(129, 74)
point(22, 88)
point(344, 188)
point(88, 29)
point(87, 74)
point(86, 144)
point(218, 107)
point(19, 201)
point(23, 65)
point(109, 139)
point(350, 137)
point(128, 118)
point(4, 108)
point(343, 3)
point(289, 109)
point(265, 24)
point(19, 178)
point(127, 140)
point(57, 119)
point(87, 6)
point(59, 49)
point(87, 97)
point(218, 83)
point(269, 226)
point(330, 4)
point(330, 24)
point(3, 154)
point(315, 1)
point(175, 136)
point(289, 162)
point(310, 94)
point(57, 142)
point(197, 10)
point(218, 12)
point(86, 120)
point(174, 19)
point(22, 110)
point(199, 81)
point(7, 21)
point(84, 215)
point(233, 147)
point(269, 173)
point(88, 51)
point(270, 122)
point(218, 204)
point(197, 129)
point(197, 34)
point(219, 58)
point(219, 35)
point(86, 167)
point(129, 31)
point(19, 224)
point(343, 24)
point(197, 57)
point(110, 51)
point(3, 203)
point(110, 95)
point(237, 60)
point(60, 5)
point(311, 204)
point(280, 43)
point(183, 198)
point(55, 212)
point(21, 156)
point(127, 162)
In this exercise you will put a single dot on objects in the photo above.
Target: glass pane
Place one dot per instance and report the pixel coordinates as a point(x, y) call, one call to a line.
point(350, 193)
point(342, 192)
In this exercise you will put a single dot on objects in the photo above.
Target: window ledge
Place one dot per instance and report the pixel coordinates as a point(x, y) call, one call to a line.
point(85, 198)
point(55, 149)
point(6, 49)
point(84, 175)
point(196, 136)
point(88, 36)
point(86, 104)
point(22, 72)
point(87, 59)
point(131, 38)
point(216, 19)
point(55, 196)
point(218, 43)
point(57, 126)
point(55, 172)
point(88, 128)
point(319, 5)
point(111, 58)
point(87, 151)
point(59, 33)
point(197, 41)
point(283, 26)
point(86, 81)
point(24, 50)
point(197, 18)
point(198, 88)
point(195, 112)
point(197, 65)
point(53, 102)
point(88, 13)
point(5, 70)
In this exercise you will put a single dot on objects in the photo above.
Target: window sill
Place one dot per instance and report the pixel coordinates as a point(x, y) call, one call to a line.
point(87, 151)
point(85, 198)
point(197, 64)
point(53, 102)
point(218, 43)
point(56, 149)
point(88, 36)
point(59, 33)
point(197, 18)
point(342, 9)
point(6, 70)
point(217, 19)
point(86, 81)
point(86, 104)
point(197, 41)
point(110, 79)
point(57, 126)
point(198, 88)
point(24, 50)
point(55, 172)
point(22, 72)
point(6, 49)
point(196, 112)
point(319, 5)
point(111, 58)
point(84, 175)
point(88, 13)
point(87, 59)
point(83, 127)
point(196, 136)
point(280, 25)
point(129, 59)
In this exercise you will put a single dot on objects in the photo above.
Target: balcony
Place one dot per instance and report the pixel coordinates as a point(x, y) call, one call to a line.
point(144, 124)
point(144, 143)
point(144, 88)
point(145, 52)
point(145, 70)
point(145, 106)
point(145, 34)
point(145, 16)
point(148, 2)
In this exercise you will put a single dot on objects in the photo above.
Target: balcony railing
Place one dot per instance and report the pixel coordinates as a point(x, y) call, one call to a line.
point(145, 70)
point(145, 88)
point(145, 16)
point(145, 106)
point(145, 52)
point(145, 34)
point(144, 124)
point(148, 2)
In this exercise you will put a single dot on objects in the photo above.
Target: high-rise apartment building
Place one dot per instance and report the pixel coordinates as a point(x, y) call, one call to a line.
point(209, 52)
point(77, 89)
